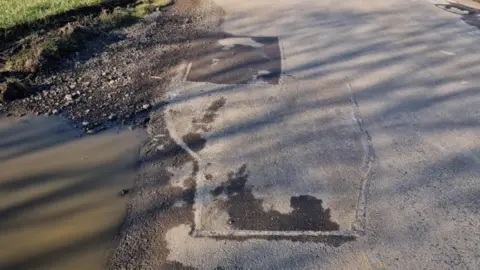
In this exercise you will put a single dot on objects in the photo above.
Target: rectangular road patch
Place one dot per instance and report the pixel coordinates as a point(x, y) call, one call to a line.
point(274, 160)
point(237, 60)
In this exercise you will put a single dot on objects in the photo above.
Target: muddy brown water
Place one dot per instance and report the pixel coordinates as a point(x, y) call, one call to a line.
point(60, 203)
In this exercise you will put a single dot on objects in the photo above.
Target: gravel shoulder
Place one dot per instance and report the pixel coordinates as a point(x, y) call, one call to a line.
point(111, 81)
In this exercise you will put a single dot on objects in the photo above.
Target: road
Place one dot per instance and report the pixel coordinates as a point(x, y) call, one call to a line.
point(323, 135)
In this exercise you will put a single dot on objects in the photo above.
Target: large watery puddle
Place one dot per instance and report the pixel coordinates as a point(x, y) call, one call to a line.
point(60, 206)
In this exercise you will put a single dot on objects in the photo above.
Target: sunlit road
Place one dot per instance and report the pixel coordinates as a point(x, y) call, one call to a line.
point(330, 135)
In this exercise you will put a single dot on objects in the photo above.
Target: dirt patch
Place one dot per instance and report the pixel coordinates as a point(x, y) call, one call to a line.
point(40, 51)
point(110, 81)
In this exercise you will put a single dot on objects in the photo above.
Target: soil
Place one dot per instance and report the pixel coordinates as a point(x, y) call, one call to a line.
point(111, 81)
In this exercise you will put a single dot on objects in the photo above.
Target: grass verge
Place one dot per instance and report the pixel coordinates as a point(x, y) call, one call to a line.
point(28, 54)
point(15, 12)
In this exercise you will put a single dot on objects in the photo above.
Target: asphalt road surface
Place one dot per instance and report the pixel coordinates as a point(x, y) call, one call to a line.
point(327, 135)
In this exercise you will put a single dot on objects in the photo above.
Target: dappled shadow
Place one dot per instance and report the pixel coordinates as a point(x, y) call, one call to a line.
point(48, 258)
point(469, 14)
point(458, 8)
point(159, 206)
point(20, 137)
point(413, 74)
point(472, 20)
point(414, 81)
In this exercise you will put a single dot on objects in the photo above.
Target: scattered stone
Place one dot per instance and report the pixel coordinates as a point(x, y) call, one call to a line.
point(109, 88)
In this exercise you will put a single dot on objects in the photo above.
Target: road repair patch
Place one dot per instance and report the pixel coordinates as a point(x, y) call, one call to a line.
point(237, 60)
point(273, 161)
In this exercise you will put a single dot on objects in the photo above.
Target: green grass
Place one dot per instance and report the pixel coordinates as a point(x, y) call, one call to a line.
point(63, 39)
point(146, 6)
point(15, 12)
